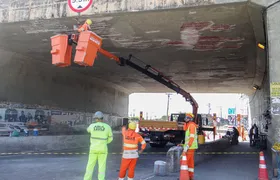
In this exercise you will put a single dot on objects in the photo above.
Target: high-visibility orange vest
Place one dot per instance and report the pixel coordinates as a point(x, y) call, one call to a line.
point(131, 139)
point(84, 27)
point(191, 135)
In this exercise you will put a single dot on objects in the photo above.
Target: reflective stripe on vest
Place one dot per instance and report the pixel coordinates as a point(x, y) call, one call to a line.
point(105, 139)
point(130, 145)
point(130, 154)
point(187, 135)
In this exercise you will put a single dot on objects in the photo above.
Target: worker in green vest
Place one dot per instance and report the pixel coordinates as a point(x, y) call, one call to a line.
point(191, 143)
point(100, 135)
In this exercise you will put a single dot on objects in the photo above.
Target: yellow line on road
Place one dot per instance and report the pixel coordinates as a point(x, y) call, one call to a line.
point(119, 153)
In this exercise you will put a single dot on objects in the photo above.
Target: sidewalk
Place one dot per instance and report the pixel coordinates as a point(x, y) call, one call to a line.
point(268, 160)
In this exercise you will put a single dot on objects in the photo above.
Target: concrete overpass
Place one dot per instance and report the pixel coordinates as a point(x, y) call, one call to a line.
point(205, 46)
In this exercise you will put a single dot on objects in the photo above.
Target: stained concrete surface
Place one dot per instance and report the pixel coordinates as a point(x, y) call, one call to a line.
point(243, 167)
point(203, 49)
point(30, 82)
point(12, 11)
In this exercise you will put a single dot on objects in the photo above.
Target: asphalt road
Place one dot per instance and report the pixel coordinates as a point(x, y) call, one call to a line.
point(72, 167)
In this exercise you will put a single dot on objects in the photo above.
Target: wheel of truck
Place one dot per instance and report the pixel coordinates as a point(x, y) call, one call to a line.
point(161, 145)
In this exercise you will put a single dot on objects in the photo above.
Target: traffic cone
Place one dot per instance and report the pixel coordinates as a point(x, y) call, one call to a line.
point(184, 170)
point(263, 175)
point(220, 137)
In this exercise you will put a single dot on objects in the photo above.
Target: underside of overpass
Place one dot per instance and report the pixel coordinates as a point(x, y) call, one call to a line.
point(207, 46)
point(204, 49)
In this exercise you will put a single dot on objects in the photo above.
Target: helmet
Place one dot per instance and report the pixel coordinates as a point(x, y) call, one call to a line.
point(189, 116)
point(98, 115)
point(132, 125)
point(89, 22)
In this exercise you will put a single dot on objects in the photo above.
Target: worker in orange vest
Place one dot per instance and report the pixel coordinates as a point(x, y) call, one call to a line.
point(85, 26)
point(191, 143)
point(131, 139)
point(243, 133)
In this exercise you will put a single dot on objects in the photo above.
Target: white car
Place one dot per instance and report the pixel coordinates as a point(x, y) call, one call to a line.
point(5, 129)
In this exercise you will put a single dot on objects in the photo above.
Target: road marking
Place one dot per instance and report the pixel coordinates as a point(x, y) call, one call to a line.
point(120, 153)
point(150, 177)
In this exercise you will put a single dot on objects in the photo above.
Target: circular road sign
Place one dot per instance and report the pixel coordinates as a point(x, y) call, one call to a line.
point(79, 5)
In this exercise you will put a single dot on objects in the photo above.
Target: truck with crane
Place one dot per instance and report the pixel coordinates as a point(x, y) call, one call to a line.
point(88, 44)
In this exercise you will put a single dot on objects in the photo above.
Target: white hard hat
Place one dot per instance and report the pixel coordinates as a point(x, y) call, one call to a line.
point(98, 115)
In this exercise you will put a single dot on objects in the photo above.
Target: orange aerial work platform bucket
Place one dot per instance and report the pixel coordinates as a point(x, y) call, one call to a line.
point(61, 51)
point(88, 45)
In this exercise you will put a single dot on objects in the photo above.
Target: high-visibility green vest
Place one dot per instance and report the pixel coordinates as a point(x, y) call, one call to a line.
point(101, 135)
point(187, 136)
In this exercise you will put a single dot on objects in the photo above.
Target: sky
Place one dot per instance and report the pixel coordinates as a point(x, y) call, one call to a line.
point(155, 104)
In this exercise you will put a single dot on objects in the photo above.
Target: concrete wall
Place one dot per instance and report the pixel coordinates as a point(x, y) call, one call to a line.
point(264, 105)
point(259, 99)
point(260, 103)
point(81, 142)
point(41, 85)
point(42, 143)
point(273, 33)
point(18, 10)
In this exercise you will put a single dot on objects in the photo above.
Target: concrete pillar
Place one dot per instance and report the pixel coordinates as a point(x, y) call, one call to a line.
point(273, 34)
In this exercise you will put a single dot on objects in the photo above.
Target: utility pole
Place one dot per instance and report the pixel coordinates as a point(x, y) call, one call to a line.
point(168, 98)
point(209, 108)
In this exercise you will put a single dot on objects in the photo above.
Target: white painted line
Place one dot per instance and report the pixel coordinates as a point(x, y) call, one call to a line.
point(149, 177)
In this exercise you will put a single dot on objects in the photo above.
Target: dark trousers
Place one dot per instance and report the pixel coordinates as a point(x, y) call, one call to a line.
point(251, 140)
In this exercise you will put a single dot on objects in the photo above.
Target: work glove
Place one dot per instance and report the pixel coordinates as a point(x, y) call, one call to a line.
point(186, 148)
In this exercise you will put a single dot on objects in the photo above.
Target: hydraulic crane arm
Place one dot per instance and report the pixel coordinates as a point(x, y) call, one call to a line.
point(154, 74)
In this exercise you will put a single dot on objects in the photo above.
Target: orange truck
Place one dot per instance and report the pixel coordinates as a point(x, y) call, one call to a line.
point(88, 45)
point(159, 133)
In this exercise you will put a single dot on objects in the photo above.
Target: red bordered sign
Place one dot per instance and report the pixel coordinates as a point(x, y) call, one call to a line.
point(79, 5)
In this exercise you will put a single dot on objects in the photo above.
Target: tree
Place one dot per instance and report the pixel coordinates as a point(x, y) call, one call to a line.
point(164, 118)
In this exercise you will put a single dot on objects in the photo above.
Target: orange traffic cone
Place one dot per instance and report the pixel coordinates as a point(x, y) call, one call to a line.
point(184, 172)
point(220, 136)
point(263, 175)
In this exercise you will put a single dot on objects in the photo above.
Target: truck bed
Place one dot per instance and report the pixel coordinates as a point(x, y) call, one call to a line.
point(157, 125)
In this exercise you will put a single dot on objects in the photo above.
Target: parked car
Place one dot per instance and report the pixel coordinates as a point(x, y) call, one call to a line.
point(5, 129)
